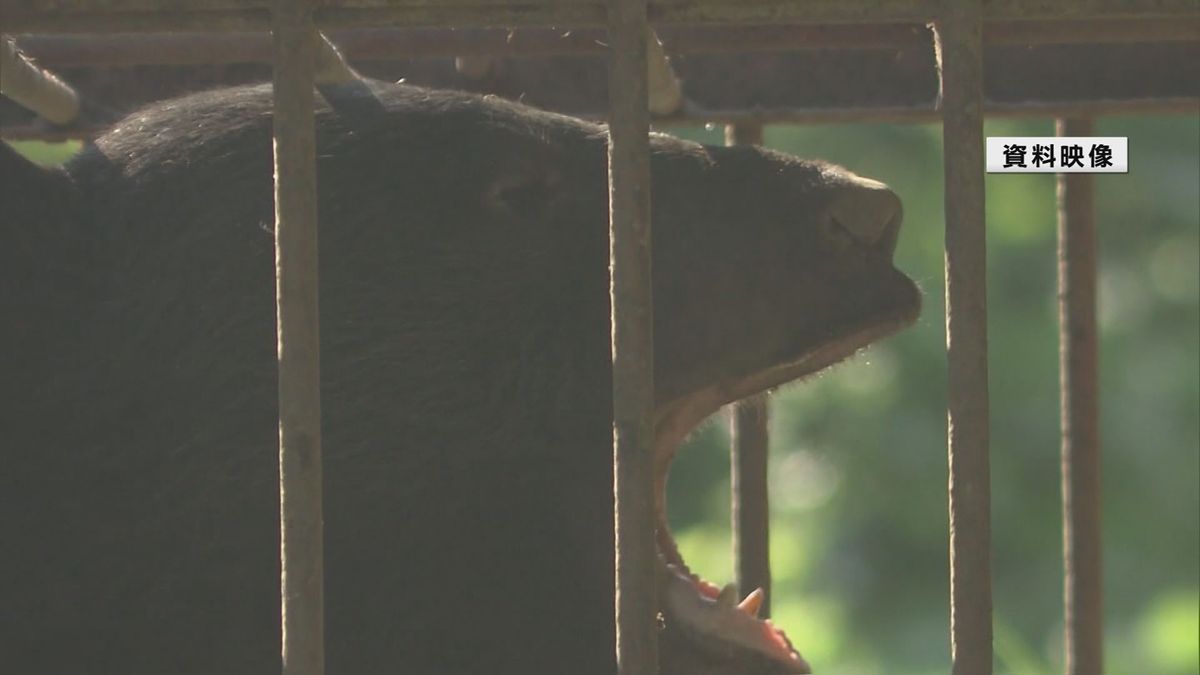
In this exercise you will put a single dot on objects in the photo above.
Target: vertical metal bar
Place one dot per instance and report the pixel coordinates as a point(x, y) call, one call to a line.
point(751, 513)
point(959, 48)
point(295, 48)
point(748, 465)
point(744, 133)
point(632, 338)
point(1079, 390)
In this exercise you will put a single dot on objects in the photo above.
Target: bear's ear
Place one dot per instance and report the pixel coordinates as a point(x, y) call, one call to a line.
point(523, 189)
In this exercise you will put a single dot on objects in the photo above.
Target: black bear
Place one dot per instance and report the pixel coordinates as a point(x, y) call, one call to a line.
point(465, 381)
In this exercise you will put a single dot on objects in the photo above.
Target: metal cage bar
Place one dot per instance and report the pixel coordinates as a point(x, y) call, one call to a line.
point(748, 463)
point(751, 512)
point(827, 115)
point(404, 42)
point(1083, 631)
point(960, 57)
point(17, 16)
point(632, 338)
point(1015, 87)
point(301, 547)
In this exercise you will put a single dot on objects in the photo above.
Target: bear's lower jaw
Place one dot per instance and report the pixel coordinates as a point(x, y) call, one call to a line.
point(712, 618)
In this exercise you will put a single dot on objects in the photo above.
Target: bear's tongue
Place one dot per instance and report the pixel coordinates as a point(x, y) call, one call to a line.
point(715, 613)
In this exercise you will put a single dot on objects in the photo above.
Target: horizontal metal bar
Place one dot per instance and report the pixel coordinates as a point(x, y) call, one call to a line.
point(929, 113)
point(1071, 31)
point(894, 114)
point(839, 85)
point(77, 20)
point(373, 44)
point(173, 6)
point(863, 11)
point(81, 16)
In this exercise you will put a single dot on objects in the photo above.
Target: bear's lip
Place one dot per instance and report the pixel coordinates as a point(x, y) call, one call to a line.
point(687, 598)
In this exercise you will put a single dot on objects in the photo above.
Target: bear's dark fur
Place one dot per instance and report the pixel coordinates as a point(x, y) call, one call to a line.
point(465, 374)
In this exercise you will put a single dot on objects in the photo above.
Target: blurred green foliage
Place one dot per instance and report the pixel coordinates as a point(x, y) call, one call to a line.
point(858, 473)
point(858, 482)
point(45, 153)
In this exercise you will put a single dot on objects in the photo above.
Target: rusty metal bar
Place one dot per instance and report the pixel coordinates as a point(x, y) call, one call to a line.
point(898, 114)
point(1129, 29)
point(474, 66)
point(148, 15)
point(917, 11)
point(928, 113)
point(751, 512)
point(1051, 80)
point(301, 548)
point(368, 44)
point(14, 20)
point(959, 47)
point(34, 88)
point(748, 465)
point(743, 134)
point(632, 338)
point(1083, 634)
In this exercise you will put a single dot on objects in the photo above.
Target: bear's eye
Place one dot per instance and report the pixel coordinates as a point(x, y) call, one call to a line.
point(522, 195)
point(523, 199)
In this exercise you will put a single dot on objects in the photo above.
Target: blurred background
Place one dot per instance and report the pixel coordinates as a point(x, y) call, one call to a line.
point(858, 456)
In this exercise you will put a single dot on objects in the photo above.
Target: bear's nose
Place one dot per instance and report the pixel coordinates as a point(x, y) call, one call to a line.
point(868, 211)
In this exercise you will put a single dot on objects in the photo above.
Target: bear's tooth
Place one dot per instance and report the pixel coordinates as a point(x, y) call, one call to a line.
point(753, 602)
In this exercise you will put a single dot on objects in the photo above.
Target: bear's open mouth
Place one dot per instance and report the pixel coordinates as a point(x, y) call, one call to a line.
point(702, 607)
